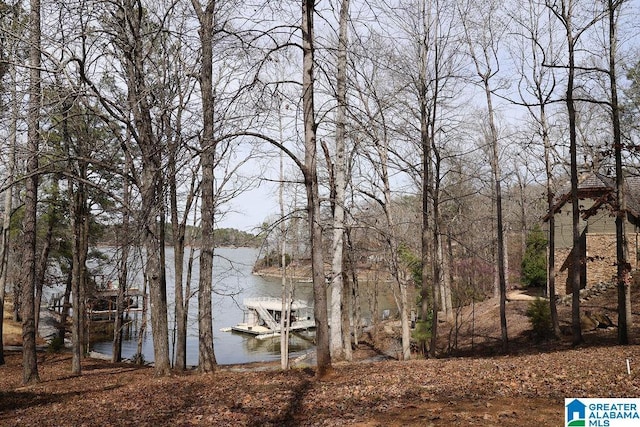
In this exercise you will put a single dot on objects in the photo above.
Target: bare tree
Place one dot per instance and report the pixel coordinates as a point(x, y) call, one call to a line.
point(622, 259)
point(132, 41)
point(482, 37)
point(286, 295)
point(79, 216)
point(206, 15)
point(124, 242)
point(565, 11)
point(78, 221)
point(539, 84)
point(179, 227)
point(371, 117)
point(426, 69)
point(6, 224)
point(339, 349)
point(310, 173)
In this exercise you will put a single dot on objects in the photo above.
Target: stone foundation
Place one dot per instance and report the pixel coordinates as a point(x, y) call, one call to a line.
point(601, 262)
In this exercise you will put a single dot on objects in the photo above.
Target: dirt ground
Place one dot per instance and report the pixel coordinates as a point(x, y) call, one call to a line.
point(525, 390)
point(475, 385)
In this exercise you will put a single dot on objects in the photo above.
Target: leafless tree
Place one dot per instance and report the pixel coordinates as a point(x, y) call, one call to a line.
point(124, 243)
point(339, 349)
point(482, 35)
point(206, 16)
point(371, 115)
point(537, 91)
point(129, 24)
point(310, 173)
point(566, 12)
point(622, 258)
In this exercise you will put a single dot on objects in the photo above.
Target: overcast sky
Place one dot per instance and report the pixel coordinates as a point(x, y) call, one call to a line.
point(251, 209)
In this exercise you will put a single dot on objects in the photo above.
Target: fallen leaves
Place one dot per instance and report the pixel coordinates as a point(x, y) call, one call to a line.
point(488, 391)
point(526, 389)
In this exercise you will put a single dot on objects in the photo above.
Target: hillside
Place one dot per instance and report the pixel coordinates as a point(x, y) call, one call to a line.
point(482, 335)
point(526, 387)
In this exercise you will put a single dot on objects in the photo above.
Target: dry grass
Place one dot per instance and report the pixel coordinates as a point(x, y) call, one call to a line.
point(11, 331)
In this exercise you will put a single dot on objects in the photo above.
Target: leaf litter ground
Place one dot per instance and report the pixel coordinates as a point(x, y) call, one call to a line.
point(527, 387)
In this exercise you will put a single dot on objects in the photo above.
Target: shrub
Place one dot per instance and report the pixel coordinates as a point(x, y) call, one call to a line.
point(138, 359)
point(273, 259)
point(56, 344)
point(539, 315)
point(422, 332)
point(422, 329)
point(534, 261)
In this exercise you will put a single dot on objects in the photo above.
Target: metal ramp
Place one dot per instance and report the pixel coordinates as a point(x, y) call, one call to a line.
point(270, 321)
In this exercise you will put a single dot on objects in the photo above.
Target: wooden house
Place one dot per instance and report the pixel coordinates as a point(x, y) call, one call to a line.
point(597, 200)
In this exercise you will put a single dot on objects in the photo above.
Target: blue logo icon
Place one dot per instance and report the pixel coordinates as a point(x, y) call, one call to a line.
point(576, 414)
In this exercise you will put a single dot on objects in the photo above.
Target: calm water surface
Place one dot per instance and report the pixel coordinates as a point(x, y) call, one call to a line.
point(233, 282)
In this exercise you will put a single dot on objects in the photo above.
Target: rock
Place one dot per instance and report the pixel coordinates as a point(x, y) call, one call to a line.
point(507, 414)
point(603, 320)
point(587, 322)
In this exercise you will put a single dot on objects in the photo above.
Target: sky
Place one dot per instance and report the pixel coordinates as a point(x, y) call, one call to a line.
point(250, 209)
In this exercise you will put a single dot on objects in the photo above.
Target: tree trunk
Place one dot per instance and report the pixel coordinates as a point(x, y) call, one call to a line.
point(206, 359)
point(486, 43)
point(123, 275)
point(151, 188)
point(286, 298)
point(429, 280)
point(540, 77)
point(29, 361)
point(497, 178)
point(353, 290)
point(551, 267)
point(41, 268)
point(118, 325)
point(313, 197)
point(66, 305)
point(79, 227)
point(622, 259)
point(392, 245)
point(155, 273)
point(404, 321)
point(5, 243)
point(190, 260)
point(143, 325)
point(76, 269)
point(347, 318)
point(179, 234)
point(576, 259)
point(337, 282)
point(206, 356)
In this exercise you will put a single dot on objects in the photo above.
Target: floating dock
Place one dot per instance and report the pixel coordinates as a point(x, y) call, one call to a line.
point(262, 317)
point(102, 304)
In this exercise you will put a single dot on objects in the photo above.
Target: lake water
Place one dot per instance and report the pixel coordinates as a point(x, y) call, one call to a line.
point(233, 282)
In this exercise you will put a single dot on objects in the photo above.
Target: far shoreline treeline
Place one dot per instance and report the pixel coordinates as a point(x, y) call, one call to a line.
point(224, 237)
